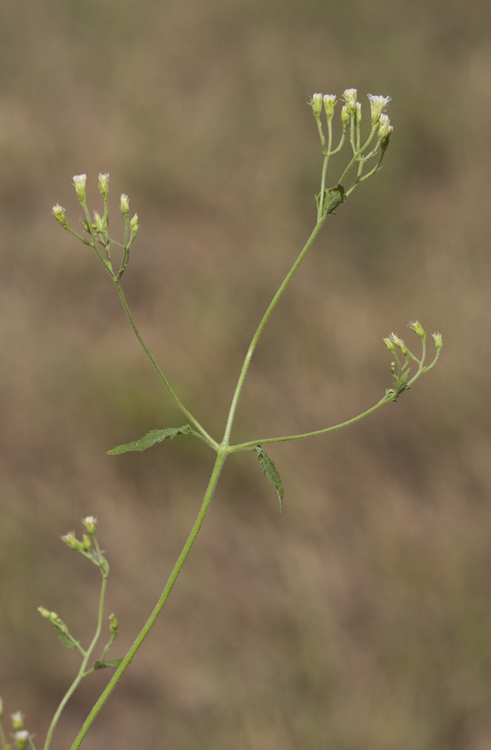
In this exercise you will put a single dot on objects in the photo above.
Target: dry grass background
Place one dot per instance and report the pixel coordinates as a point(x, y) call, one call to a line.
point(361, 618)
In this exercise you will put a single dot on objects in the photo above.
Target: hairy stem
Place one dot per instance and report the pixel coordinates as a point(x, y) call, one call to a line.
point(161, 375)
point(263, 322)
point(220, 459)
point(81, 671)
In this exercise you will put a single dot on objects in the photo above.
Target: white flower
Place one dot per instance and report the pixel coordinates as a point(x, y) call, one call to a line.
point(350, 99)
point(79, 182)
point(377, 106)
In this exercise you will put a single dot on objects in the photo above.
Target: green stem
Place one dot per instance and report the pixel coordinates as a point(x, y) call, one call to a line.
point(81, 672)
point(161, 375)
point(222, 454)
point(263, 322)
point(253, 443)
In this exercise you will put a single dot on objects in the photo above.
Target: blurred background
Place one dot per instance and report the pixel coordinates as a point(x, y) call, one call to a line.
point(361, 617)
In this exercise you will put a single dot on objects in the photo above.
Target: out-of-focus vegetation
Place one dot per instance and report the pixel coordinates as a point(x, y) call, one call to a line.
point(361, 618)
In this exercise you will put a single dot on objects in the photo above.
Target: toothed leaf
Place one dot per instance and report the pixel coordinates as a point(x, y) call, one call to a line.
point(333, 198)
point(113, 663)
point(151, 438)
point(271, 472)
point(67, 640)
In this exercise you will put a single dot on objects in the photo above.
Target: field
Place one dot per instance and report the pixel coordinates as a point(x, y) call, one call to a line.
point(361, 617)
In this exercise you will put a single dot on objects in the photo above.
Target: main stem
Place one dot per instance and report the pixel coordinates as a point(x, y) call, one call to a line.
point(221, 456)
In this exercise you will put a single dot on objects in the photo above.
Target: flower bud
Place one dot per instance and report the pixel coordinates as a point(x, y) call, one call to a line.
point(384, 131)
point(18, 721)
point(113, 624)
point(350, 99)
point(86, 543)
point(71, 541)
point(329, 104)
point(418, 329)
point(438, 340)
point(125, 205)
point(400, 343)
point(345, 115)
point(104, 185)
point(21, 738)
point(358, 113)
point(316, 104)
point(79, 182)
point(134, 224)
point(98, 223)
point(377, 106)
point(90, 523)
point(59, 214)
point(389, 344)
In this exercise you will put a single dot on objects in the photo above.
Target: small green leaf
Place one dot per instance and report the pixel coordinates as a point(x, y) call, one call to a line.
point(271, 472)
point(67, 640)
point(113, 663)
point(333, 198)
point(151, 438)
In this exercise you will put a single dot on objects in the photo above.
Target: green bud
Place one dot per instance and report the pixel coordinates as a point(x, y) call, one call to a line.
point(358, 113)
point(21, 738)
point(86, 542)
point(124, 205)
point(389, 344)
point(377, 106)
point(418, 329)
point(90, 523)
point(329, 104)
point(17, 721)
point(316, 104)
point(438, 340)
point(113, 624)
point(59, 214)
point(350, 99)
point(71, 541)
point(384, 131)
point(134, 224)
point(98, 223)
point(44, 612)
point(345, 116)
point(104, 184)
point(400, 343)
point(79, 182)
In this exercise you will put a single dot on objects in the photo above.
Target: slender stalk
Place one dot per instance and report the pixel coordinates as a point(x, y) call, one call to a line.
point(161, 375)
point(220, 459)
point(263, 322)
point(81, 672)
point(252, 443)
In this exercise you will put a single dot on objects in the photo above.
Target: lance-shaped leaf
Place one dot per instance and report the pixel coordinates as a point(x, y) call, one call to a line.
point(151, 438)
point(113, 663)
point(270, 471)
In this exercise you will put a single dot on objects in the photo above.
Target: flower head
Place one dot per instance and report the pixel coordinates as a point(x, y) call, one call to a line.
point(316, 104)
point(377, 106)
point(79, 182)
point(104, 184)
point(18, 720)
point(90, 523)
point(329, 104)
point(350, 99)
point(59, 214)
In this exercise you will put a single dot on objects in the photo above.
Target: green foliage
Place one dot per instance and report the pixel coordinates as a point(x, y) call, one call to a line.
point(112, 663)
point(150, 439)
point(271, 472)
